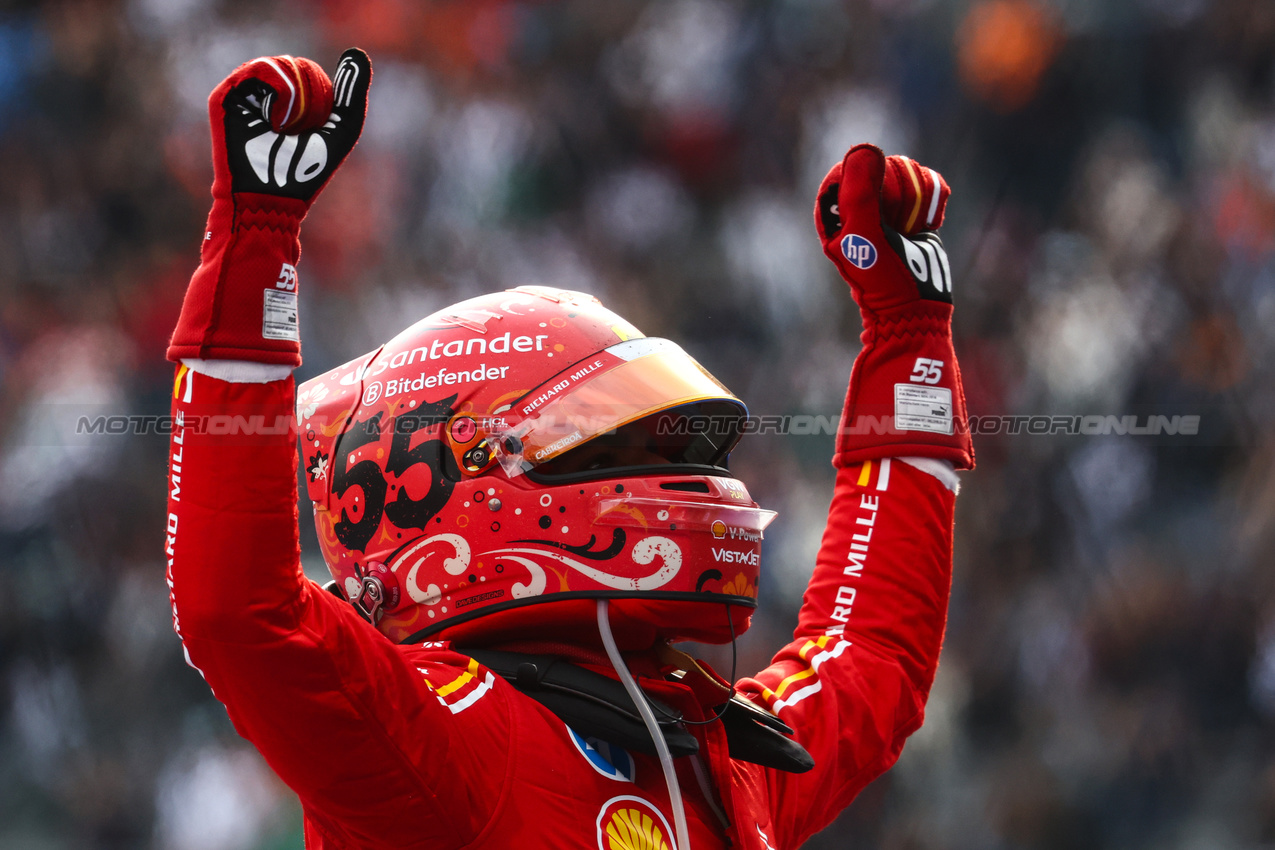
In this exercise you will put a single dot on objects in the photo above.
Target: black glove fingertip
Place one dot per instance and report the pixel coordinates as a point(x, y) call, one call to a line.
point(350, 83)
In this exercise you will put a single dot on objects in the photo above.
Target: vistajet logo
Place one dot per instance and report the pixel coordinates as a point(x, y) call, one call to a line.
point(730, 556)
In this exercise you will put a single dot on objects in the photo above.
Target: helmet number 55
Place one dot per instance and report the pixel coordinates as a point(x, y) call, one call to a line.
point(926, 371)
point(372, 481)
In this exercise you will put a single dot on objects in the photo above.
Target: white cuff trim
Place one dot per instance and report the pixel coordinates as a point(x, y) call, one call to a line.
point(238, 371)
point(943, 470)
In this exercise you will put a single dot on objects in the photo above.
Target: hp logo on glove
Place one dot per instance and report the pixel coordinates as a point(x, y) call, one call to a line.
point(859, 251)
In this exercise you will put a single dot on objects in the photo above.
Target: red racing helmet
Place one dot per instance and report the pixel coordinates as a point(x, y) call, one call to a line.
point(496, 468)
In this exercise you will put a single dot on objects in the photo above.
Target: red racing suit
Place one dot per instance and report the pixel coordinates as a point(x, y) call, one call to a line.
point(419, 746)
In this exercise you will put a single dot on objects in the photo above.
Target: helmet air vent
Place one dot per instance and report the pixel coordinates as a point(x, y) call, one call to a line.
point(686, 486)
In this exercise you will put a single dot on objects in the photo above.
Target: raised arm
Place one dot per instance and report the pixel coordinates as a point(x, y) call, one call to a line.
point(333, 706)
point(854, 681)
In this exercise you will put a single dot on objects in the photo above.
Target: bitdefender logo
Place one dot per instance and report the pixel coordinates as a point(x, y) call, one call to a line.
point(860, 252)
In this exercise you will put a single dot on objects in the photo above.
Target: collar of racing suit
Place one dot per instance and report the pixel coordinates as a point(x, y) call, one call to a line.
point(583, 691)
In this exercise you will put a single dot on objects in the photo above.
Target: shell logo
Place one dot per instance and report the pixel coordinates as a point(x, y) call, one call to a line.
point(718, 528)
point(631, 823)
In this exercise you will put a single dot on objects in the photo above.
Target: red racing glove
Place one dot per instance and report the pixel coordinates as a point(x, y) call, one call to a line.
point(905, 394)
point(280, 130)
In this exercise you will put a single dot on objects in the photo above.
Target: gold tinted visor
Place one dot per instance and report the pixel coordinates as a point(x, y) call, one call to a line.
point(622, 384)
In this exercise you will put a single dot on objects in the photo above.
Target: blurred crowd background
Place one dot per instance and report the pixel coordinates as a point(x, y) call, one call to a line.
point(1108, 678)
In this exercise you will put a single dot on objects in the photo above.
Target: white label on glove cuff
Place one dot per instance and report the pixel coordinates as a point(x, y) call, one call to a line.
point(922, 408)
point(279, 318)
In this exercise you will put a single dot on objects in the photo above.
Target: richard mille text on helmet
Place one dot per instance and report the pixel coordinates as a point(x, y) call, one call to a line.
point(523, 502)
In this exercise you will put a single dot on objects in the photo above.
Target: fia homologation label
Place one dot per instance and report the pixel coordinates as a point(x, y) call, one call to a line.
point(279, 317)
point(922, 408)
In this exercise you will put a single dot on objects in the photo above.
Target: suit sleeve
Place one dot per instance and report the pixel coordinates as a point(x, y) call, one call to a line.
point(854, 681)
point(335, 708)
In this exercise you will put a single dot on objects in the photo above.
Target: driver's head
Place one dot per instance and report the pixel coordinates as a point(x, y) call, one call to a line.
point(498, 466)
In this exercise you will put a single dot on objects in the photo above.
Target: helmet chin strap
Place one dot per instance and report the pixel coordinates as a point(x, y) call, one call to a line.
point(648, 717)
